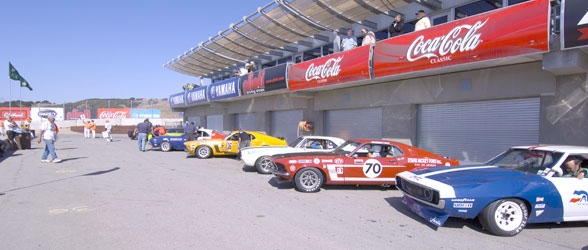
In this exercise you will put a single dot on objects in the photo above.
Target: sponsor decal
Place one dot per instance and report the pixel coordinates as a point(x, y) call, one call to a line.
point(177, 100)
point(44, 113)
point(339, 170)
point(338, 161)
point(330, 68)
point(538, 212)
point(17, 114)
point(292, 168)
point(113, 113)
point(196, 96)
point(447, 164)
point(372, 168)
point(462, 210)
point(146, 113)
point(539, 205)
point(540, 199)
point(463, 205)
point(416, 177)
point(316, 161)
point(268, 79)
point(574, 31)
point(463, 200)
point(357, 161)
point(224, 89)
point(254, 83)
point(424, 161)
point(435, 221)
point(76, 114)
point(292, 161)
point(304, 161)
point(327, 161)
point(580, 197)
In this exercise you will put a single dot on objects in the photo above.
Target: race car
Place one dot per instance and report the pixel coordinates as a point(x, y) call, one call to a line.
point(258, 156)
point(522, 185)
point(365, 162)
point(170, 132)
point(230, 144)
point(176, 142)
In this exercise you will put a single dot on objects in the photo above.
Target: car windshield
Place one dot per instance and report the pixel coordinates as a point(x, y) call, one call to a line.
point(526, 160)
point(295, 142)
point(347, 147)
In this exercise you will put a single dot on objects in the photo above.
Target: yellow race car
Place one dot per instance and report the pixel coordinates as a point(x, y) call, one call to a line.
point(230, 144)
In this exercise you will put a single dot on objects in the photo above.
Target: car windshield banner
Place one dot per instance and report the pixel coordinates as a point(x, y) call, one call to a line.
point(113, 113)
point(177, 100)
point(196, 96)
point(41, 114)
point(17, 114)
point(265, 80)
point(348, 66)
point(146, 113)
point(517, 30)
point(224, 89)
point(76, 114)
point(574, 24)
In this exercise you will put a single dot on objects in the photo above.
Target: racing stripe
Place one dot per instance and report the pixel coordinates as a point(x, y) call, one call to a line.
point(454, 170)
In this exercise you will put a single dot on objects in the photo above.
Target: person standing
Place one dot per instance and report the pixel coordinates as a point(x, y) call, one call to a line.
point(397, 27)
point(369, 37)
point(49, 136)
point(143, 130)
point(423, 21)
point(108, 130)
point(93, 129)
point(190, 131)
point(336, 42)
point(1, 127)
point(349, 42)
point(86, 129)
point(10, 127)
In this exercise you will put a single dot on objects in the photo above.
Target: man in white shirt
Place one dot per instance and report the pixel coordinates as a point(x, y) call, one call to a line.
point(49, 135)
point(349, 42)
point(11, 128)
point(423, 21)
point(108, 130)
point(369, 37)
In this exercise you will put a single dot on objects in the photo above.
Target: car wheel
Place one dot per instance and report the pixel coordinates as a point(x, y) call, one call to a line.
point(264, 165)
point(203, 152)
point(165, 146)
point(308, 180)
point(506, 217)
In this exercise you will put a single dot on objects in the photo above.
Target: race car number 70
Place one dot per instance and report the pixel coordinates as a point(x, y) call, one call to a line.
point(372, 168)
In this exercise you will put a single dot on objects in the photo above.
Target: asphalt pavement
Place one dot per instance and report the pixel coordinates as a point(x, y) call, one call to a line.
point(112, 196)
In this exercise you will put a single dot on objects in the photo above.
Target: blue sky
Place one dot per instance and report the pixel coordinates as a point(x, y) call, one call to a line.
point(73, 50)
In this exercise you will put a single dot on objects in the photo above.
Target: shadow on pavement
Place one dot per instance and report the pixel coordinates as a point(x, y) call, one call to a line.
point(280, 184)
point(62, 179)
point(72, 159)
point(8, 154)
point(396, 203)
point(248, 169)
point(57, 149)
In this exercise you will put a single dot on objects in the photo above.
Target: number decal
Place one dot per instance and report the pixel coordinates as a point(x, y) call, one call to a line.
point(229, 146)
point(372, 168)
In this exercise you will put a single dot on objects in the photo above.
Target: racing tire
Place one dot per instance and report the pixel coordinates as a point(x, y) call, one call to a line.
point(308, 180)
point(506, 217)
point(165, 146)
point(203, 152)
point(264, 165)
point(4, 146)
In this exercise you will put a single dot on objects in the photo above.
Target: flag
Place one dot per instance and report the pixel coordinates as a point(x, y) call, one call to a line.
point(14, 75)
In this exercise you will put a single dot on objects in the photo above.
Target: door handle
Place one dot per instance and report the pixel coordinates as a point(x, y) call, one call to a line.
point(393, 161)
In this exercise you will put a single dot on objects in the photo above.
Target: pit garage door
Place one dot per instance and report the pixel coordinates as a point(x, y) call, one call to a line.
point(474, 132)
point(354, 123)
point(195, 120)
point(215, 122)
point(245, 121)
point(285, 123)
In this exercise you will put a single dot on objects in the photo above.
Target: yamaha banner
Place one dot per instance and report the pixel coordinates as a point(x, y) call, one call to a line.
point(196, 96)
point(574, 24)
point(177, 100)
point(265, 80)
point(223, 89)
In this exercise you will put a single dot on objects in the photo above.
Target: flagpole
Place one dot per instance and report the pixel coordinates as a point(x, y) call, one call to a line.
point(20, 96)
point(9, 96)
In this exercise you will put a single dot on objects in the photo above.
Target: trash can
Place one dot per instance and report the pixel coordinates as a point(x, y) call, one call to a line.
point(25, 140)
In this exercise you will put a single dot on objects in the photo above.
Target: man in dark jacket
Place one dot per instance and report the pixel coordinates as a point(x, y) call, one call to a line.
point(396, 28)
point(190, 131)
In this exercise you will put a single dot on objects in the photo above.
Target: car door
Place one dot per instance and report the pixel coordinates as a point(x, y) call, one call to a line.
point(360, 168)
point(231, 144)
point(574, 196)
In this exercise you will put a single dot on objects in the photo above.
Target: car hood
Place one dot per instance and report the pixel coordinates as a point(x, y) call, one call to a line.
point(472, 175)
point(208, 142)
point(303, 154)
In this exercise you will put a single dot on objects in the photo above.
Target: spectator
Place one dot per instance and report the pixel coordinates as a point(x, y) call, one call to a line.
point(349, 42)
point(336, 42)
point(423, 21)
point(86, 129)
point(143, 130)
point(107, 131)
point(49, 136)
point(184, 125)
point(1, 127)
point(369, 37)
point(93, 129)
point(190, 86)
point(159, 131)
point(184, 87)
point(27, 126)
point(190, 131)
point(397, 27)
point(252, 67)
point(11, 132)
point(243, 70)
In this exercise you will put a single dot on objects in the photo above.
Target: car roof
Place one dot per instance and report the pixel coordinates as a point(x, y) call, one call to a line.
point(377, 141)
point(557, 148)
point(323, 137)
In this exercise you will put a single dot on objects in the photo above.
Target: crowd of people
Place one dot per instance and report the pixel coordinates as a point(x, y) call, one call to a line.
point(246, 69)
point(189, 86)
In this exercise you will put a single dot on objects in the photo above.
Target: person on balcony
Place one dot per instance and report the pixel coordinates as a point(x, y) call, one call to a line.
point(423, 21)
point(349, 42)
point(397, 27)
point(369, 37)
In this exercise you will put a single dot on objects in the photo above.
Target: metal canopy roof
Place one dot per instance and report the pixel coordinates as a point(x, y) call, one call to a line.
point(271, 28)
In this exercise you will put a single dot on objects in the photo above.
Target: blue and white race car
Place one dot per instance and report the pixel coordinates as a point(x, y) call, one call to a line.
point(532, 184)
point(176, 142)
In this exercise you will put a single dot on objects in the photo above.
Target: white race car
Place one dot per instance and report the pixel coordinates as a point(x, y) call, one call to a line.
point(258, 156)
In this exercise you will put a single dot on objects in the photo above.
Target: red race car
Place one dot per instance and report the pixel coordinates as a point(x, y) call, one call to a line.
point(365, 162)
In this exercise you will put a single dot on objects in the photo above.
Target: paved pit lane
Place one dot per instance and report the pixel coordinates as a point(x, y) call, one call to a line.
point(112, 196)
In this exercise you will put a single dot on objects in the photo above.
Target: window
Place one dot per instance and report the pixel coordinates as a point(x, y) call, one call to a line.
point(268, 64)
point(439, 20)
point(381, 35)
point(285, 60)
point(328, 49)
point(409, 27)
point(477, 8)
point(513, 2)
point(311, 54)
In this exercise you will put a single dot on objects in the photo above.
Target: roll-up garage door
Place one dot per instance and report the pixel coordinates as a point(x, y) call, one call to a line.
point(215, 122)
point(285, 123)
point(474, 132)
point(245, 121)
point(195, 120)
point(354, 123)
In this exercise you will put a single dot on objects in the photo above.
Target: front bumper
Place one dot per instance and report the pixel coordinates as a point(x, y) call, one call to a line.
point(433, 215)
point(280, 174)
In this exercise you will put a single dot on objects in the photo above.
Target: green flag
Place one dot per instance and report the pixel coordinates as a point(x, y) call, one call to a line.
point(14, 75)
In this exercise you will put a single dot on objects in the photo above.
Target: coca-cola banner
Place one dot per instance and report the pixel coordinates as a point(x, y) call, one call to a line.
point(76, 114)
point(113, 113)
point(196, 96)
point(177, 100)
point(17, 114)
point(223, 89)
point(265, 80)
point(517, 30)
point(351, 65)
point(41, 114)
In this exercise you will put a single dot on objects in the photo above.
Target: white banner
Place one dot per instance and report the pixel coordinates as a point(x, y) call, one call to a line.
point(40, 114)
